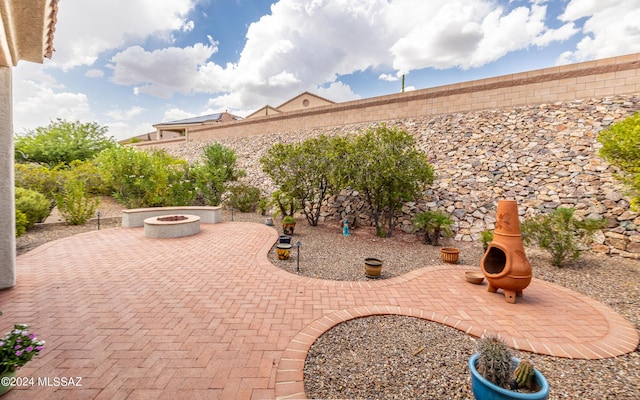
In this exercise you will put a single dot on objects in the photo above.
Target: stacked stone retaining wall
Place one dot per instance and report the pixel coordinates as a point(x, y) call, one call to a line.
point(544, 156)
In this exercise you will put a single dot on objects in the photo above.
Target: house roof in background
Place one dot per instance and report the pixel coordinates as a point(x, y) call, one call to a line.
point(202, 119)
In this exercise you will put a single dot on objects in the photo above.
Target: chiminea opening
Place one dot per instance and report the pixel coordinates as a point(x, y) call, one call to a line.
point(495, 260)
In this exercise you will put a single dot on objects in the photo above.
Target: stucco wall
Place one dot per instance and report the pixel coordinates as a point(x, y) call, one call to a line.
point(7, 211)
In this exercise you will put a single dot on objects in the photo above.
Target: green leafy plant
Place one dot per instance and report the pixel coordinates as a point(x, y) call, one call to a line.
point(288, 220)
point(33, 204)
point(18, 347)
point(62, 142)
point(486, 237)
point(75, 205)
point(43, 179)
point(560, 233)
point(145, 179)
point(621, 148)
point(284, 204)
point(243, 197)
point(21, 223)
point(305, 171)
point(435, 224)
point(214, 174)
point(385, 165)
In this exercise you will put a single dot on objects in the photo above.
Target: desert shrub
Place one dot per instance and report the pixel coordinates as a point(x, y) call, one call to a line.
point(215, 173)
point(74, 203)
point(88, 173)
point(243, 197)
point(39, 178)
point(145, 179)
point(62, 142)
point(33, 204)
point(621, 147)
point(560, 233)
point(21, 223)
point(305, 171)
point(435, 224)
point(385, 165)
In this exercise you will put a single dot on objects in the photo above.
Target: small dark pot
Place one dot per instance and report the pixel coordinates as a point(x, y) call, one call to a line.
point(288, 229)
point(284, 239)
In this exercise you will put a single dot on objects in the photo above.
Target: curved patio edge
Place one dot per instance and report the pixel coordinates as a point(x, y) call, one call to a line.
point(622, 338)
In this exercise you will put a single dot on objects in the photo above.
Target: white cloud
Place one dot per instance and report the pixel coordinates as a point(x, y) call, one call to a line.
point(337, 92)
point(124, 115)
point(38, 99)
point(611, 28)
point(466, 34)
point(176, 114)
point(94, 73)
point(85, 29)
point(161, 72)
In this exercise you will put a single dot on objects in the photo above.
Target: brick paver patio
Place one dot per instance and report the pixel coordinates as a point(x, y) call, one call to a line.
point(208, 317)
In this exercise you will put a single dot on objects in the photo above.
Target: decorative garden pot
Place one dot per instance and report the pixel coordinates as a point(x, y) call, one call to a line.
point(284, 239)
point(485, 390)
point(372, 267)
point(288, 229)
point(5, 381)
point(505, 264)
point(284, 251)
point(450, 255)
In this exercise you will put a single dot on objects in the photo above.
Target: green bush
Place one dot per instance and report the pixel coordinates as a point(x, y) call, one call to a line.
point(244, 198)
point(74, 204)
point(21, 223)
point(62, 142)
point(39, 178)
point(213, 175)
point(145, 179)
point(33, 204)
point(560, 233)
point(435, 224)
point(621, 148)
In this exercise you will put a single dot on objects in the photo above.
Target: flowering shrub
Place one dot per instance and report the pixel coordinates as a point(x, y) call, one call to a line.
point(18, 348)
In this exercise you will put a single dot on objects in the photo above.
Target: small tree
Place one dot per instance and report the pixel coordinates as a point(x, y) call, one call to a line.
point(621, 147)
point(305, 171)
point(385, 165)
point(560, 233)
point(213, 176)
point(62, 142)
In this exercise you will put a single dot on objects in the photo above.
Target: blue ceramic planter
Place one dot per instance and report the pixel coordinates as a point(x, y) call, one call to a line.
point(485, 390)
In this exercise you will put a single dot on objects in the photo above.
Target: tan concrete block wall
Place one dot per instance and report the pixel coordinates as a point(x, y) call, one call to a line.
point(600, 78)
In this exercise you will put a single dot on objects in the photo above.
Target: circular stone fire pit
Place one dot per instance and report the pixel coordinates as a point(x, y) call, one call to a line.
point(171, 226)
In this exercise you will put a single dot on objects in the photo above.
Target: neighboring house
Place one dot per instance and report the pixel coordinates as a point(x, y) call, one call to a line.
point(180, 128)
point(302, 101)
point(26, 33)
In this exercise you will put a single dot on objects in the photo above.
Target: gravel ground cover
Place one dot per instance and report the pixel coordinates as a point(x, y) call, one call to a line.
point(411, 358)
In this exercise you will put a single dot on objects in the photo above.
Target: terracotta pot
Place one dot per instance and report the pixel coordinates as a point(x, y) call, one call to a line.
point(372, 267)
point(450, 255)
point(505, 264)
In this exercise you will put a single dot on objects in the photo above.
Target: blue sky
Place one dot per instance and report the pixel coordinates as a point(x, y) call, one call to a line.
point(129, 64)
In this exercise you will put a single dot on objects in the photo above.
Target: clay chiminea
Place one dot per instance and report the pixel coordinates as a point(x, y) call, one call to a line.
point(504, 264)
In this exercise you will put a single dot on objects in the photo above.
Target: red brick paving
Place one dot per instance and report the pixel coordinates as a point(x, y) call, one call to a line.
point(209, 317)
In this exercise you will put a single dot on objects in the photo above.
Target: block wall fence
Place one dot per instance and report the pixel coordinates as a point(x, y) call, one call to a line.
point(594, 79)
point(531, 137)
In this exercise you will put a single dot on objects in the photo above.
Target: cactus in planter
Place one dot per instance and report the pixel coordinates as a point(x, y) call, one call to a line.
point(524, 375)
point(494, 361)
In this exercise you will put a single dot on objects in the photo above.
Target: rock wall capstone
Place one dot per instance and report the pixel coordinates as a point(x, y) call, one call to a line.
point(543, 156)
